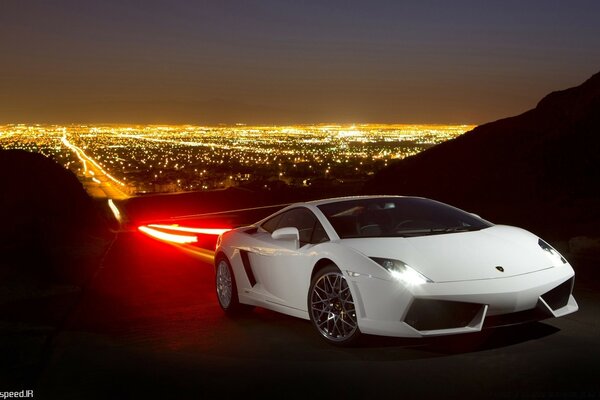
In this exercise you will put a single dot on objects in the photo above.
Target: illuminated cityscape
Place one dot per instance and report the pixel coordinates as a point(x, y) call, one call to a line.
point(131, 160)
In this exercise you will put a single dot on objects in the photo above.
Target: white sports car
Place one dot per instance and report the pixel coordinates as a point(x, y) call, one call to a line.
point(393, 266)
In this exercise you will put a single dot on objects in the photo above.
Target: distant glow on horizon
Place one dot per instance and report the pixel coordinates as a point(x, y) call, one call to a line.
point(233, 62)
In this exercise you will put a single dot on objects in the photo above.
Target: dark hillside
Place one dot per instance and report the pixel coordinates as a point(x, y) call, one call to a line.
point(49, 223)
point(539, 169)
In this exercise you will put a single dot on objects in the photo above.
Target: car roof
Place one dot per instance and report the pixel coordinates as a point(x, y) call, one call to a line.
point(315, 203)
point(346, 198)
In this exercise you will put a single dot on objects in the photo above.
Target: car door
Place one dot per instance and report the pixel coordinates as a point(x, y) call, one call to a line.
point(282, 267)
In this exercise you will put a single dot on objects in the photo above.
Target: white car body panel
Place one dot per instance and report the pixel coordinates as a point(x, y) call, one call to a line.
point(462, 266)
point(462, 256)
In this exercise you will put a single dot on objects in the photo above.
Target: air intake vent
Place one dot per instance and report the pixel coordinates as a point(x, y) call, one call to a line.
point(535, 314)
point(428, 315)
point(559, 296)
point(247, 267)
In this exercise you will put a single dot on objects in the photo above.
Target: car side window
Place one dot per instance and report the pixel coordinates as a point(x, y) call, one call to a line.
point(319, 235)
point(271, 224)
point(311, 231)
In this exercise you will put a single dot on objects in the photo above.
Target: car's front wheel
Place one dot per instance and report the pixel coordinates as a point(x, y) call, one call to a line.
point(226, 287)
point(331, 307)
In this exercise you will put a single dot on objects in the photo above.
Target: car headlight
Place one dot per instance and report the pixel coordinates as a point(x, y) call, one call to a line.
point(551, 252)
point(401, 271)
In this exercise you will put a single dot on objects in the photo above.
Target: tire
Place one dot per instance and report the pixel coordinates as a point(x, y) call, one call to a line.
point(226, 288)
point(331, 307)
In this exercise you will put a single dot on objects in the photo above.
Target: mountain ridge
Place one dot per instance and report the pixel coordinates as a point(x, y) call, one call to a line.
point(538, 163)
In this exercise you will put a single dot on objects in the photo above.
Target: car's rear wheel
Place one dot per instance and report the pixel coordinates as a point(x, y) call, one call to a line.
point(331, 307)
point(226, 287)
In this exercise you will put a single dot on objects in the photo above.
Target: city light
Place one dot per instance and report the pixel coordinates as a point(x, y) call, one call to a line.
point(120, 161)
point(85, 158)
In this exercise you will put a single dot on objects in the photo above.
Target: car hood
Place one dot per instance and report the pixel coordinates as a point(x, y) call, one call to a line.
point(463, 255)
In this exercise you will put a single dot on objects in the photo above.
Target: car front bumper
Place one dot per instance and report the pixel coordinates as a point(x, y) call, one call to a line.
point(388, 308)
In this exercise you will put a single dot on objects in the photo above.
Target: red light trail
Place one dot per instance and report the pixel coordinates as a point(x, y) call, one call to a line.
point(168, 237)
point(205, 231)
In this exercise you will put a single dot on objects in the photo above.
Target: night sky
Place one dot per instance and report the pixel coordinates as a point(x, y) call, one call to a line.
point(205, 62)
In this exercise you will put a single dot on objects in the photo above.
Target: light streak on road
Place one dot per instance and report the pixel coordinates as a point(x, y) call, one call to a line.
point(207, 256)
point(177, 228)
point(81, 154)
point(230, 211)
point(92, 169)
point(183, 242)
point(78, 152)
point(168, 237)
point(114, 210)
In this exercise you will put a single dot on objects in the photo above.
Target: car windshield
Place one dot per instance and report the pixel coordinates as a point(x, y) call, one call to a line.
point(398, 216)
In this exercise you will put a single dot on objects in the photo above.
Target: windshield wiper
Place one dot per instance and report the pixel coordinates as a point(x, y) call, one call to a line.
point(419, 232)
point(436, 231)
point(465, 228)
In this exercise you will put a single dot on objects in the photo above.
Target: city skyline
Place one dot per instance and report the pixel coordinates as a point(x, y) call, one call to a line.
point(120, 161)
point(284, 62)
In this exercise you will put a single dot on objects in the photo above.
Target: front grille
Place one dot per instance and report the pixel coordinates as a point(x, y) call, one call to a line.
point(535, 314)
point(427, 315)
point(559, 296)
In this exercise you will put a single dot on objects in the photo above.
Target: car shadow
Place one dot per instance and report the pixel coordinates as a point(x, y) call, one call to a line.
point(274, 333)
point(488, 339)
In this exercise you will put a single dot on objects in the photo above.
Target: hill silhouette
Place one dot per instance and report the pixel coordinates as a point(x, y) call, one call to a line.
point(539, 169)
point(50, 224)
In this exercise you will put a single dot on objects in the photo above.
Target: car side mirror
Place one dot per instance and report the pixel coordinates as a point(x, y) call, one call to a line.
point(287, 233)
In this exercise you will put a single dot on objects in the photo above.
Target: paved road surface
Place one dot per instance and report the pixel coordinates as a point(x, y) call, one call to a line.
point(150, 327)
